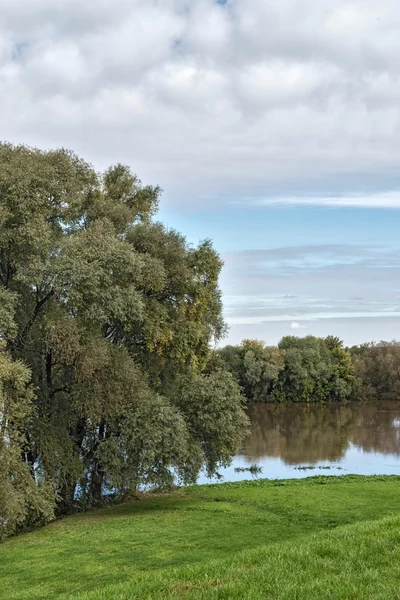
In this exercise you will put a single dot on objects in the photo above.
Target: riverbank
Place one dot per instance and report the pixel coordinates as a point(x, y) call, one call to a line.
point(320, 537)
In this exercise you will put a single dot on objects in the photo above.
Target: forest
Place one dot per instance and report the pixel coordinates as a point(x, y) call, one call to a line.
point(312, 369)
point(111, 376)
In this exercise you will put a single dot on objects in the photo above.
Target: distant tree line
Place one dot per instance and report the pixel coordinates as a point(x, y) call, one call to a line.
point(106, 320)
point(377, 370)
point(312, 369)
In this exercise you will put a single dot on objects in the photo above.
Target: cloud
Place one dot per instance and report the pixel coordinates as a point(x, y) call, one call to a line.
point(354, 331)
point(378, 200)
point(250, 100)
point(313, 317)
point(296, 325)
point(332, 281)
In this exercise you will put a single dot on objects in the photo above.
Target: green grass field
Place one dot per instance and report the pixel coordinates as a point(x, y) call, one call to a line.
point(315, 538)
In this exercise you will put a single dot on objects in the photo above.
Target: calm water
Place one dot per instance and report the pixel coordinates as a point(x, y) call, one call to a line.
point(348, 438)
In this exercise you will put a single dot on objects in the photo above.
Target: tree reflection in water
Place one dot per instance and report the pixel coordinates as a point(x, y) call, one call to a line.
point(309, 433)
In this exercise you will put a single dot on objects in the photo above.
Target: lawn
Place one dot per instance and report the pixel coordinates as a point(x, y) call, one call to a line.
point(321, 537)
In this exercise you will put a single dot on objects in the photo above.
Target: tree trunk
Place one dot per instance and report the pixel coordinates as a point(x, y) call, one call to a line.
point(66, 496)
point(96, 483)
point(97, 474)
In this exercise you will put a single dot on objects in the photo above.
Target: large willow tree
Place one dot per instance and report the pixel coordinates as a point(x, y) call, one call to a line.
point(106, 319)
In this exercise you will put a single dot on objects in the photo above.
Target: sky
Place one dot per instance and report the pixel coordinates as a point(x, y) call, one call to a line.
point(272, 127)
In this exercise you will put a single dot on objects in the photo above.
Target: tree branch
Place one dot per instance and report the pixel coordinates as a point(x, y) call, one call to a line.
point(38, 309)
point(57, 390)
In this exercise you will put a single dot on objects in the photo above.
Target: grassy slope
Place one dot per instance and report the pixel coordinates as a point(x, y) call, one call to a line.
point(248, 540)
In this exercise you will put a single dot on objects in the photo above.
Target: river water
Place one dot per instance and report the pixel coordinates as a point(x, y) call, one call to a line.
point(299, 440)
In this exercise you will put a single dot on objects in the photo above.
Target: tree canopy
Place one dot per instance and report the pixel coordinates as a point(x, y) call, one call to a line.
point(255, 367)
point(106, 320)
point(308, 369)
point(377, 370)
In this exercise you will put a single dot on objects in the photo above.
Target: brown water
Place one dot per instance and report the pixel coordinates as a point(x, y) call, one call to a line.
point(299, 440)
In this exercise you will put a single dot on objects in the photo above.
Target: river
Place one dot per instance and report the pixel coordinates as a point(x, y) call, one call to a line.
point(299, 440)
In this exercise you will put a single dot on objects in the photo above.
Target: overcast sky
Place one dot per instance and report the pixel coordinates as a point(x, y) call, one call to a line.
point(272, 126)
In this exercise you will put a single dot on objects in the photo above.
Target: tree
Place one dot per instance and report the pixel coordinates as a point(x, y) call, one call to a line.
point(107, 313)
point(377, 370)
point(316, 370)
point(254, 366)
point(24, 499)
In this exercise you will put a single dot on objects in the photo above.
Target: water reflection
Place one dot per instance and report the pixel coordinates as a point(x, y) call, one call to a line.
point(333, 439)
point(300, 433)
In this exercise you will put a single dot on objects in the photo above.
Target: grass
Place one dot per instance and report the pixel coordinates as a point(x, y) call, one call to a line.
point(321, 537)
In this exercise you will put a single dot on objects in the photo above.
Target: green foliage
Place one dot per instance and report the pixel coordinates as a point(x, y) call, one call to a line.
point(316, 370)
point(212, 407)
point(306, 369)
point(182, 301)
point(254, 366)
point(25, 501)
point(103, 315)
point(377, 370)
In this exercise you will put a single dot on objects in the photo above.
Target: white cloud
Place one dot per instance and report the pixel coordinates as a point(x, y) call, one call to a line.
point(296, 325)
point(317, 316)
point(378, 200)
point(204, 98)
point(345, 282)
